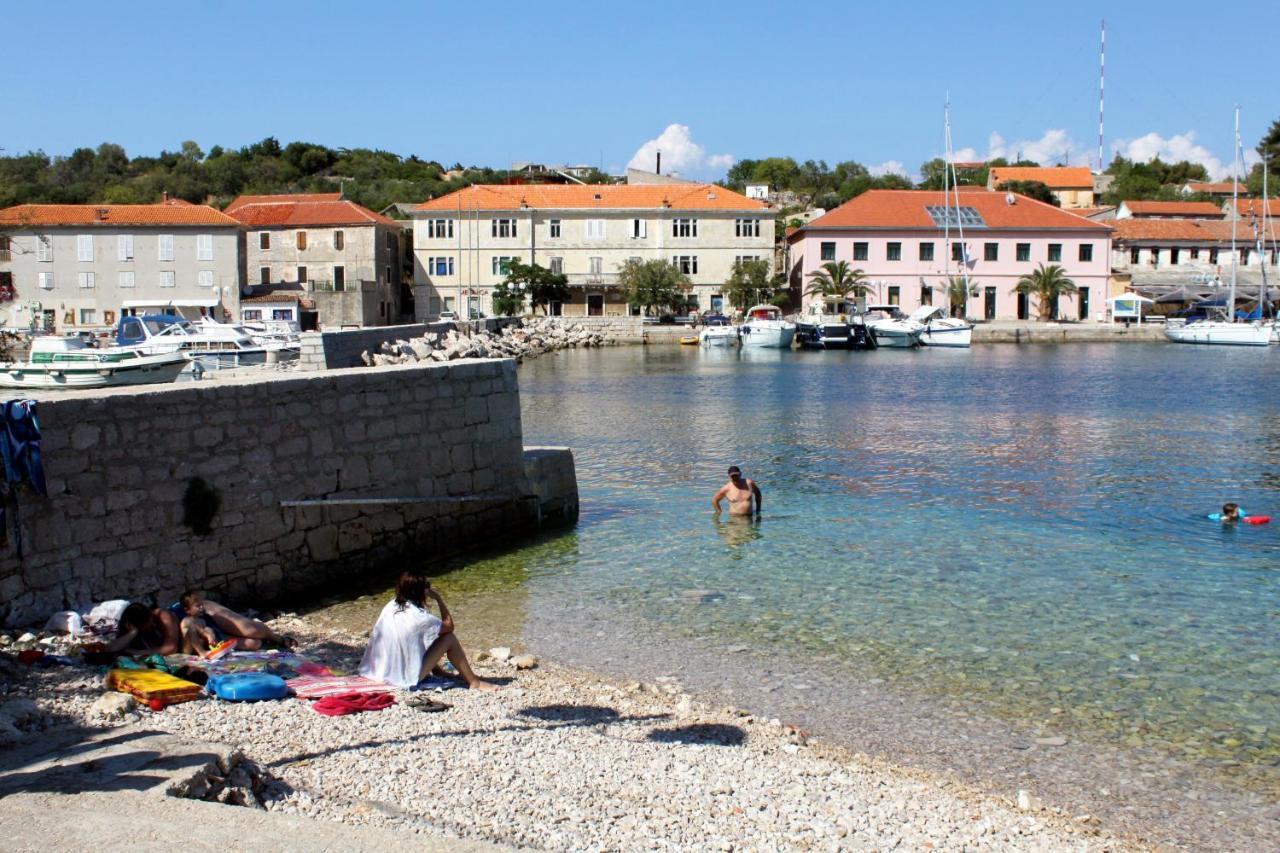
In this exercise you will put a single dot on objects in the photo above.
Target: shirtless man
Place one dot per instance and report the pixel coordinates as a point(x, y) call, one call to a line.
point(741, 492)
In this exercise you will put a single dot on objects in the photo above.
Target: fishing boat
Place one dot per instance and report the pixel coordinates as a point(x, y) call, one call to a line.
point(57, 362)
point(891, 328)
point(765, 327)
point(832, 324)
point(1223, 327)
point(941, 330)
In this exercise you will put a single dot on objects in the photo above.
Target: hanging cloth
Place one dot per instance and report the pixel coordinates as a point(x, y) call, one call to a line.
point(20, 452)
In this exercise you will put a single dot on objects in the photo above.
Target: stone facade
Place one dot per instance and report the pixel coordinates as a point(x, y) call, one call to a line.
point(320, 478)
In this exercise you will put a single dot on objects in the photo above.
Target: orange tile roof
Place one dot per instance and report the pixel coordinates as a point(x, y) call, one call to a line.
point(169, 212)
point(1187, 209)
point(302, 211)
point(1253, 206)
point(1086, 212)
point(1210, 187)
point(1179, 230)
point(594, 197)
point(906, 209)
point(1054, 177)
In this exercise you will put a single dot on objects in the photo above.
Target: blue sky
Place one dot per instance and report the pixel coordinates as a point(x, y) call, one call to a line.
point(594, 82)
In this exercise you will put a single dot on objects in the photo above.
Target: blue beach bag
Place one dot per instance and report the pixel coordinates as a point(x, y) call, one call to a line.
point(247, 686)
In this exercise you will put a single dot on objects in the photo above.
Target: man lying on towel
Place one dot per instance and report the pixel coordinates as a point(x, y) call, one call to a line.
point(206, 623)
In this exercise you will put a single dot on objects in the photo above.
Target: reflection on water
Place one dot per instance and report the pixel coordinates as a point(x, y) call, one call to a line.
point(737, 531)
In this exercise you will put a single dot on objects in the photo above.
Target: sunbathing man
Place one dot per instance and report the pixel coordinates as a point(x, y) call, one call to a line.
point(206, 623)
point(146, 630)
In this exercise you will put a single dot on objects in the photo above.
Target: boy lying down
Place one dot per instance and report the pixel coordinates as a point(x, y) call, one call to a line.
point(206, 623)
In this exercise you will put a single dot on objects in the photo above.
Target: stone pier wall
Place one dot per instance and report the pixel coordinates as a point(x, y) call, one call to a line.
point(342, 348)
point(616, 330)
point(317, 478)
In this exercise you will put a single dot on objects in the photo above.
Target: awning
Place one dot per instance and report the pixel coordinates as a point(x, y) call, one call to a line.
point(162, 303)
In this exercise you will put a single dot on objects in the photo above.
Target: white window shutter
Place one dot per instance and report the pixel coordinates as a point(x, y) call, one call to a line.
point(44, 247)
point(165, 244)
point(84, 247)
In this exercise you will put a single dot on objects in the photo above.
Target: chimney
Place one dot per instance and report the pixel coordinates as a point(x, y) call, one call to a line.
point(164, 196)
point(657, 170)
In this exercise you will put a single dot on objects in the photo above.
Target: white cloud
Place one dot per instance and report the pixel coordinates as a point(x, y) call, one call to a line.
point(1180, 146)
point(888, 167)
point(679, 154)
point(966, 155)
point(1053, 148)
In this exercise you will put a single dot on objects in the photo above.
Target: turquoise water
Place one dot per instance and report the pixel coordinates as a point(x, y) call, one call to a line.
point(1017, 528)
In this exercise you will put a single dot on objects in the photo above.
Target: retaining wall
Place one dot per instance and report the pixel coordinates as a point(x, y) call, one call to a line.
point(318, 478)
point(617, 330)
point(342, 348)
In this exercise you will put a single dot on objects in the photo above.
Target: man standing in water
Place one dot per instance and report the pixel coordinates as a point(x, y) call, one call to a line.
point(741, 493)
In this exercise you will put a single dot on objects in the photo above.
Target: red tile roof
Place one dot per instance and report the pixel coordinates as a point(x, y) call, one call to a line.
point(1253, 206)
point(594, 197)
point(169, 212)
point(1185, 209)
point(1202, 231)
point(303, 210)
point(907, 209)
point(1220, 188)
point(1054, 177)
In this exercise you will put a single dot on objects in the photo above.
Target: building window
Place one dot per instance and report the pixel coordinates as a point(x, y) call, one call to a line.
point(557, 266)
point(746, 227)
point(1213, 256)
point(1055, 252)
point(639, 229)
point(164, 247)
point(595, 266)
point(554, 226)
point(1244, 256)
point(1133, 255)
point(386, 273)
point(264, 275)
point(1086, 252)
point(595, 229)
point(926, 251)
point(893, 252)
point(302, 275)
point(859, 251)
point(739, 260)
point(895, 295)
point(166, 278)
point(1023, 252)
point(339, 278)
point(339, 241)
point(502, 227)
point(281, 313)
point(6, 248)
point(684, 227)
point(87, 280)
point(124, 248)
point(88, 316)
point(126, 278)
point(44, 248)
point(687, 264)
point(828, 251)
point(439, 228)
point(250, 315)
point(442, 265)
point(302, 239)
point(204, 247)
point(1195, 254)
point(926, 294)
point(264, 240)
point(957, 252)
point(46, 281)
point(204, 278)
point(502, 264)
point(1153, 257)
point(991, 251)
point(84, 247)
point(1173, 257)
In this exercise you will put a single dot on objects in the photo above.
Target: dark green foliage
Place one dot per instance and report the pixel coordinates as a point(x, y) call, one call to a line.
point(814, 181)
point(1037, 190)
point(1155, 179)
point(199, 506)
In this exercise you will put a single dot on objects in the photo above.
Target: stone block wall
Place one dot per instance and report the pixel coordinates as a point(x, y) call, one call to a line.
point(320, 477)
point(616, 330)
point(342, 348)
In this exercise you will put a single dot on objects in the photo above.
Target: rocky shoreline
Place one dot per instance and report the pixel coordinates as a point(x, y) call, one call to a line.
point(557, 759)
point(530, 340)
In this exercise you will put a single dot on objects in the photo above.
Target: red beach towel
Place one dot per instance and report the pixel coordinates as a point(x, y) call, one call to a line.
point(316, 686)
point(353, 703)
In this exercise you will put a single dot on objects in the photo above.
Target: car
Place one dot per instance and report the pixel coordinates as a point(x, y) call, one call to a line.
point(715, 319)
point(447, 317)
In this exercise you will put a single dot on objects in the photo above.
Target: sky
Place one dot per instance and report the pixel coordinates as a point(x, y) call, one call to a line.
point(607, 84)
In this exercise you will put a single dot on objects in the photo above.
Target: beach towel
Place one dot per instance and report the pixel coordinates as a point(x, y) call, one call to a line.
point(150, 685)
point(353, 703)
point(318, 686)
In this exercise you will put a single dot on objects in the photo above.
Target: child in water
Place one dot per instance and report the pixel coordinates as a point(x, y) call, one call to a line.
point(1230, 513)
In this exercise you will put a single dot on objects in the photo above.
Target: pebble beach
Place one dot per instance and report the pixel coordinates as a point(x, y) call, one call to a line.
point(560, 759)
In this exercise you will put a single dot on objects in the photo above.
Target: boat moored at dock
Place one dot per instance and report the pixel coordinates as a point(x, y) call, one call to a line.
point(58, 362)
point(766, 327)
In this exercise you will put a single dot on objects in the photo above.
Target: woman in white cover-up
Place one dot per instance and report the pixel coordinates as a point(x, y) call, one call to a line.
point(408, 640)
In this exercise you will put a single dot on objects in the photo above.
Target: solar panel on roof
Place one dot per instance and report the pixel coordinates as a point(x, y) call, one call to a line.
point(945, 216)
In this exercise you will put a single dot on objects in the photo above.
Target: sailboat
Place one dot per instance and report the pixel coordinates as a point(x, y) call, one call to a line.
point(939, 329)
point(1226, 330)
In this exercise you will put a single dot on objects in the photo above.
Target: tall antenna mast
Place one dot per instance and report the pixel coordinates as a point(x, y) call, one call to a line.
point(1102, 89)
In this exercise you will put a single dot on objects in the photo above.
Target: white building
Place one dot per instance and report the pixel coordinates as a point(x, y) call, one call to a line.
point(463, 241)
point(66, 267)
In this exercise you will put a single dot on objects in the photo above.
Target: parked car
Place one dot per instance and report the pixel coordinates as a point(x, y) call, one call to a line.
point(447, 317)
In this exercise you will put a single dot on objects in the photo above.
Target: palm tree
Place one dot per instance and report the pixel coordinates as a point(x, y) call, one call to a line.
point(836, 280)
point(1046, 284)
point(959, 289)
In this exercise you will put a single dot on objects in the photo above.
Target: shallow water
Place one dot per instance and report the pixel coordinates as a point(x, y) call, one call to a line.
point(1013, 531)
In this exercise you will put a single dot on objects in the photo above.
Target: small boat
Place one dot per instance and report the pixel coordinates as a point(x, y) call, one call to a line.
point(891, 328)
point(209, 343)
point(765, 327)
point(689, 341)
point(57, 362)
point(832, 324)
point(940, 330)
point(718, 336)
point(1219, 333)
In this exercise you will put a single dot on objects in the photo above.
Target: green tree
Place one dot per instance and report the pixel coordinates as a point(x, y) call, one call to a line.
point(1037, 190)
point(959, 289)
point(540, 285)
point(1269, 149)
point(836, 280)
point(653, 284)
point(1046, 284)
point(508, 300)
point(749, 284)
point(932, 174)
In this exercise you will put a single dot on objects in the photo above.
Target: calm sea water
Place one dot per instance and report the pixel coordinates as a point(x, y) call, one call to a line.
point(1020, 529)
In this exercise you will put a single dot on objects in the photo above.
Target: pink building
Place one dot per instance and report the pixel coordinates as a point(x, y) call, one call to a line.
point(907, 243)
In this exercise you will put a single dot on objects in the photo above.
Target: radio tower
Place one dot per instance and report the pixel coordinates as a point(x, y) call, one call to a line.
point(1102, 89)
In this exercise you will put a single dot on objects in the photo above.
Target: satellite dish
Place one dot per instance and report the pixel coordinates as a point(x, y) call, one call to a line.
point(246, 289)
point(1009, 198)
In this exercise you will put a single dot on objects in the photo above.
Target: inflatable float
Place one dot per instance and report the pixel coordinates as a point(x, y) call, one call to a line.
point(1247, 519)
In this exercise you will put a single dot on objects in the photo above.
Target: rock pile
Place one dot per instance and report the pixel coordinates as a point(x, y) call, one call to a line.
point(532, 339)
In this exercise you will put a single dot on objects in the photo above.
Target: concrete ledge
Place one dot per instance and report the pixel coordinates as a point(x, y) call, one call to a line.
point(553, 480)
point(1028, 332)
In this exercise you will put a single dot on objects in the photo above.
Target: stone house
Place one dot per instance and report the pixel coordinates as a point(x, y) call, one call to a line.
point(1171, 253)
point(71, 267)
point(908, 244)
point(1072, 186)
point(346, 257)
point(463, 241)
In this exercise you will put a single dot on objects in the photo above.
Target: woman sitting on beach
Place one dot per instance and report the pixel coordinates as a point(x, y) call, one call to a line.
point(408, 640)
point(146, 630)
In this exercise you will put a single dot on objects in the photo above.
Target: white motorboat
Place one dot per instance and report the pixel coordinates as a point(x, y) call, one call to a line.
point(718, 336)
point(209, 343)
point(832, 324)
point(57, 362)
point(940, 330)
point(765, 327)
point(891, 328)
point(1219, 332)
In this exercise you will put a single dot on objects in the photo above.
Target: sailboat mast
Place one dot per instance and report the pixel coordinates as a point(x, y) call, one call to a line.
point(1262, 245)
point(1235, 215)
point(946, 198)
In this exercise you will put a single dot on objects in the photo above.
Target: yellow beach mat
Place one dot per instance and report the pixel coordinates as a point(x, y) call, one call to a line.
point(148, 684)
